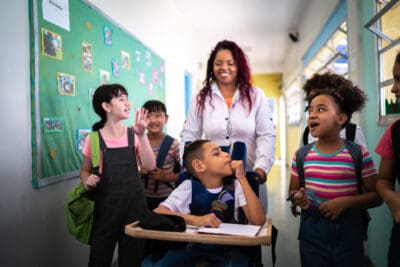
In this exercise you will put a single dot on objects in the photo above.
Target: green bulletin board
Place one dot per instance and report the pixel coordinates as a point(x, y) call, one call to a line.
point(74, 49)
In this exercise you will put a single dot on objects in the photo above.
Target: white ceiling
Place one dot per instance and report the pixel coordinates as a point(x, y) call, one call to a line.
point(260, 27)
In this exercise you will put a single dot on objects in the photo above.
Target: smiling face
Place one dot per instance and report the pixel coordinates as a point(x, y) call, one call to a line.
point(225, 68)
point(157, 120)
point(396, 79)
point(324, 117)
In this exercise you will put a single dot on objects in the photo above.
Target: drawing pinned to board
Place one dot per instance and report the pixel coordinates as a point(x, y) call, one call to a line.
point(150, 88)
point(162, 67)
point(56, 12)
point(115, 67)
point(108, 35)
point(137, 56)
point(66, 84)
point(87, 61)
point(91, 93)
point(125, 60)
point(148, 58)
point(141, 77)
point(155, 76)
point(51, 125)
point(51, 44)
point(80, 138)
point(104, 77)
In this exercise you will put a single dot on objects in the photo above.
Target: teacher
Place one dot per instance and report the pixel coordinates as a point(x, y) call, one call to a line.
point(229, 108)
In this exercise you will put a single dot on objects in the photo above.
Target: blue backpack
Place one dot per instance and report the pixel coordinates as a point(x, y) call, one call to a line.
point(356, 154)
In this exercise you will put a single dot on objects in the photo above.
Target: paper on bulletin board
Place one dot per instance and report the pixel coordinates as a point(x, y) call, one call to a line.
point(56, 12)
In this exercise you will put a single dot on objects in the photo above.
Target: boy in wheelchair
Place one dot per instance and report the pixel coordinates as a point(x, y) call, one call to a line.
point(204, 200)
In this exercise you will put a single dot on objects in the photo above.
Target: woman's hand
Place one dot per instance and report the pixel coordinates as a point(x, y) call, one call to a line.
point(262, 176)
point(141, 121)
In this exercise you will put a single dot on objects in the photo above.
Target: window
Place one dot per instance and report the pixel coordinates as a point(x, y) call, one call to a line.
point(332, 56)
point(385, 25)
point(294, 103)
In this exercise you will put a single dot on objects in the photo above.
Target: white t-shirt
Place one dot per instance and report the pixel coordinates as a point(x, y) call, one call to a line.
point(180, 199)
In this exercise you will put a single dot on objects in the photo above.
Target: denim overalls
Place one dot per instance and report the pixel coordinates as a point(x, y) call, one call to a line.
point(119, 200)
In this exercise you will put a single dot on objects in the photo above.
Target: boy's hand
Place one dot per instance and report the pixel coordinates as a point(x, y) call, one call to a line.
point(210, 220)
point(157, 174)
point(141, 121)
point(237, 168)
point(91, 182)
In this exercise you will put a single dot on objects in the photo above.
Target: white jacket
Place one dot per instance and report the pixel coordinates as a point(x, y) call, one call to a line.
point(225, 126)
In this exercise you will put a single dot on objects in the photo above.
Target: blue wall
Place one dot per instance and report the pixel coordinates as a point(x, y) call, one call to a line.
point(381, 223)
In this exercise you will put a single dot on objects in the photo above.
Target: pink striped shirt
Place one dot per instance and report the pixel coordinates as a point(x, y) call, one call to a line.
point(332, 175)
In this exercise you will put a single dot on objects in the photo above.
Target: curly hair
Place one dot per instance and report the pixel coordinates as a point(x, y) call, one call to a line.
point(243, 79)
point(105, 93)
point(348, 97)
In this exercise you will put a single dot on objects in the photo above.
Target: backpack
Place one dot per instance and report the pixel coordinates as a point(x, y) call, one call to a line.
point(80, 203)
point(162, 154)
point(350, 133)
point(356, 154)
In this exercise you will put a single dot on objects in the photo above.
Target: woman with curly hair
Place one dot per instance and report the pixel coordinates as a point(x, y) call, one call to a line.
point(229, 109)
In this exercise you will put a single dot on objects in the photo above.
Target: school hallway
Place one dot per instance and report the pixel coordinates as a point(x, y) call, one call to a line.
point(287, 251)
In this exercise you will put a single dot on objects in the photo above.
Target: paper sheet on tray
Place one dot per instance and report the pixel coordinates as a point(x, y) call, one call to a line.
point(232, 229)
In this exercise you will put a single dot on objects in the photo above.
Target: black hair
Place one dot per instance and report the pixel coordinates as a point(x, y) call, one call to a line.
point(105, 93)
point(348, 97)
point(155, 106)
point(192, 151)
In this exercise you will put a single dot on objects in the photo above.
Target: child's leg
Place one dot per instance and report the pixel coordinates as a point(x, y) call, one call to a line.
point(315, 239)
point(349, 232)
point(394, 248)
point(130, 251)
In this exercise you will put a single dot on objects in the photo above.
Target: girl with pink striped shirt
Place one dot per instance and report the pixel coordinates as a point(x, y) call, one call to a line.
point(332, 228)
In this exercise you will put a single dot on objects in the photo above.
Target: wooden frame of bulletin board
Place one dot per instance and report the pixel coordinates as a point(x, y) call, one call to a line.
point(74, 49)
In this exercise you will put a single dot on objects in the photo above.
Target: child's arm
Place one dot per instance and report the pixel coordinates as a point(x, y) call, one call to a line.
point(369, 199)
point(88, 179)
point(145, 151)
point(297, 196)
point(385, 187)
point(164, 175)
point(254, 210)
point(210, 220)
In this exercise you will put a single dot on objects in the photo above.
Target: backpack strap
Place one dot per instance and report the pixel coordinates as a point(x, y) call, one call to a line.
point(300, 156)
point(162, 154)
point(354, 150)
point(305, 135)
point(95, 150)
point(356, 153)
point(351, 131)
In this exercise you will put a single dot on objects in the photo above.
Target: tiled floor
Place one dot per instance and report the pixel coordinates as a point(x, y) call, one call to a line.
point(287, 251)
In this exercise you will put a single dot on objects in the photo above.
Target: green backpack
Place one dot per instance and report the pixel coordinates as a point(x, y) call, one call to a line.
point(80, 204)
